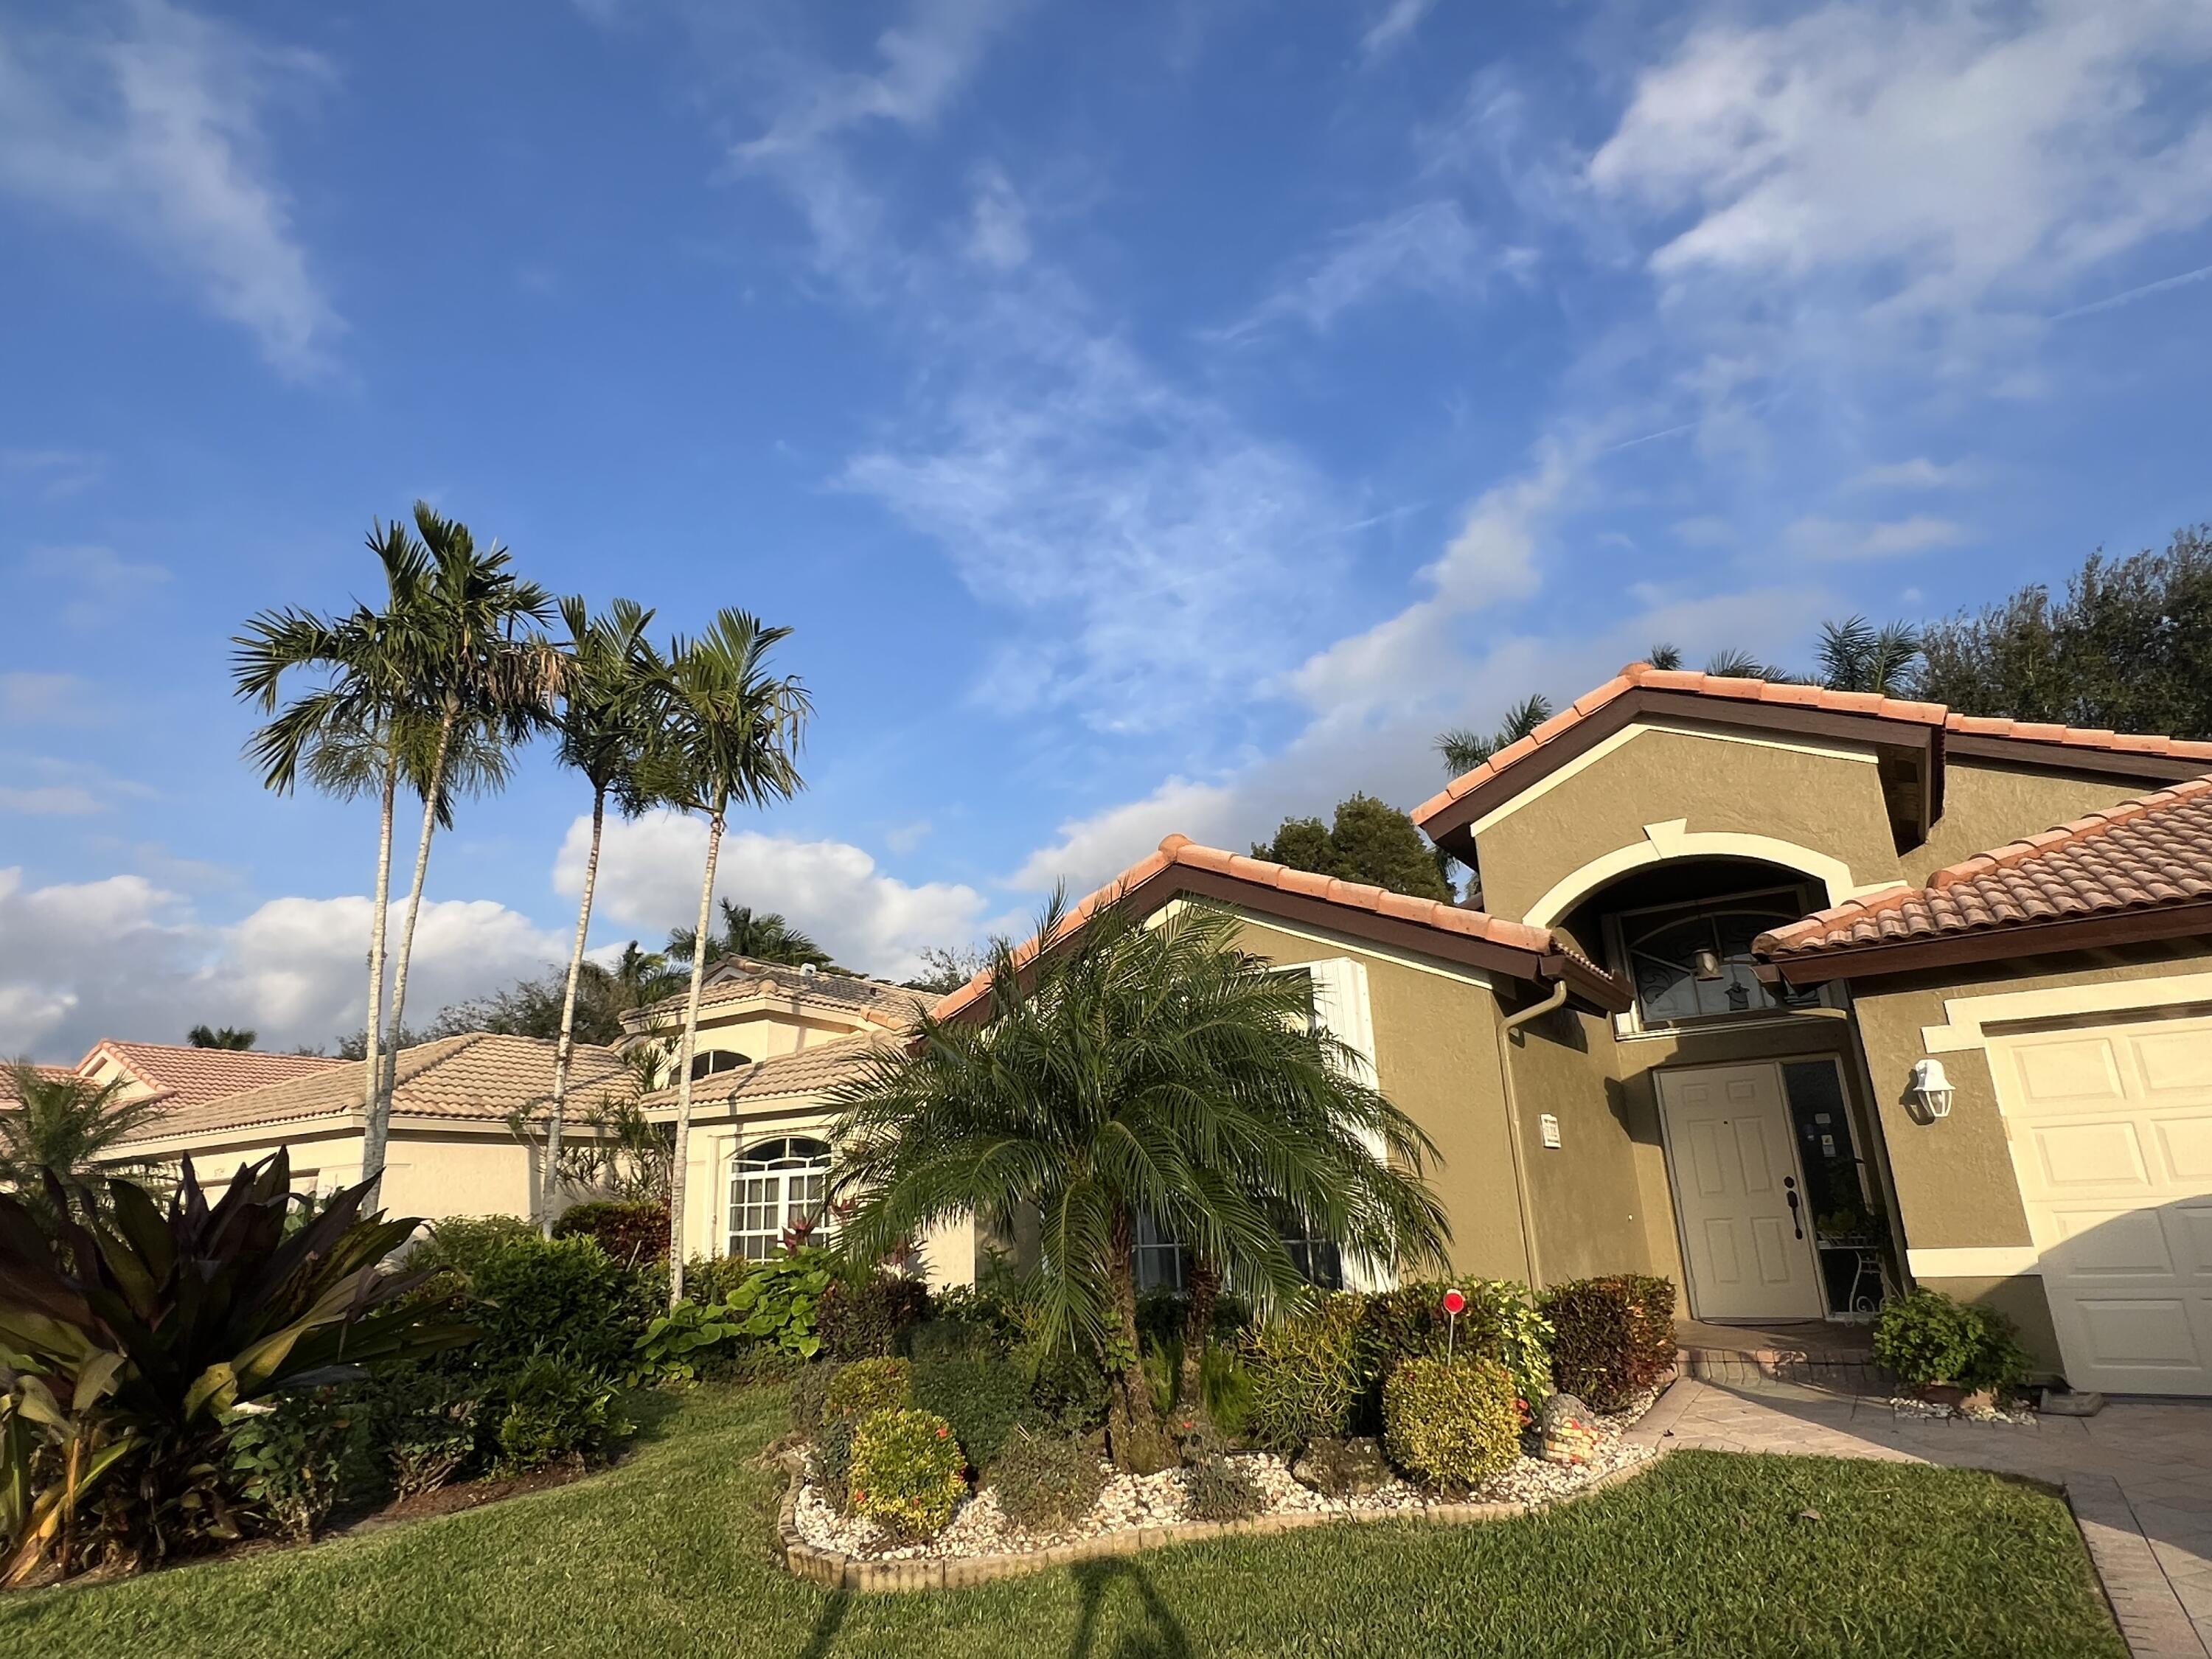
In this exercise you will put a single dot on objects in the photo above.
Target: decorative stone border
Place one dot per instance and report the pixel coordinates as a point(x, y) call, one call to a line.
point(835, 1570)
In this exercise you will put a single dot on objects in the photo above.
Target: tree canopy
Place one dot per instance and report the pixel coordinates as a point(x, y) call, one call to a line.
point(1369, 841)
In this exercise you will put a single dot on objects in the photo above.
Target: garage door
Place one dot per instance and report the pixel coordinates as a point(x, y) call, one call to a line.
point(2111, 1138)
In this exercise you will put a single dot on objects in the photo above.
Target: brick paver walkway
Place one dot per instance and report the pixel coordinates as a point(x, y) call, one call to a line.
point(2138, 1475)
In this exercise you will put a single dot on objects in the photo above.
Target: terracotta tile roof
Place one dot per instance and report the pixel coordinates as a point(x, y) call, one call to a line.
point(738, 979)
point(50, 1073)
point(1352, 895)
point(2142, 855)
point(194, 1076)
point(477, 1076)
point(814, 1070)
point(1722, 689)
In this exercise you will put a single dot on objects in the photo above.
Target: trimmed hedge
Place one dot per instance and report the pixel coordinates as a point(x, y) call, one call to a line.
point(1451, 1424)
point(865, 1320)
point(1501, 1323)
point(1045, 1479)
point(907, 1473)
point(867, 1386)
point(981, 1398)
point(628, 1232)
point(1613, 1339)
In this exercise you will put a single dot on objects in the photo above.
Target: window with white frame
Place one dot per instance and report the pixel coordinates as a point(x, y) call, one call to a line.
point(774, 1186)
point(1693, 961)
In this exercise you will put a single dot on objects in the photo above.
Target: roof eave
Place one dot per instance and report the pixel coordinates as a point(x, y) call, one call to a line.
point(1884, 958)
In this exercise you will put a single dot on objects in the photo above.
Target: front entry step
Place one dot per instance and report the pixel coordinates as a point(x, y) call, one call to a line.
point(1837, 1358)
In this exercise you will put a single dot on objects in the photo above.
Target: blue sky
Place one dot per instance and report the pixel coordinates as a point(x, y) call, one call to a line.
point(1157, 417)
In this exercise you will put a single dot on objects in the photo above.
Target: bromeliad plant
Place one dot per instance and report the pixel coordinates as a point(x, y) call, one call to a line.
point(131, 1330)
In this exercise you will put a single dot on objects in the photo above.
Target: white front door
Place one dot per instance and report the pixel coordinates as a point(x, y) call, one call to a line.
point(1747, 1247)
point(2112, 1138)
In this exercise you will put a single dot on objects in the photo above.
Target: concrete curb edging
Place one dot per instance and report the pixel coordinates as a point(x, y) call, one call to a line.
point(835, 1570)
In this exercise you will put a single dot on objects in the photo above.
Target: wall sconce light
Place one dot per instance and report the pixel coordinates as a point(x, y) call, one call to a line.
point(1707, 964)
point(1931, 1087)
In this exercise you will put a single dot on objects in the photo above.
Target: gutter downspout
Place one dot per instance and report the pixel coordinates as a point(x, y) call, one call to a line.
point(1506, 1028)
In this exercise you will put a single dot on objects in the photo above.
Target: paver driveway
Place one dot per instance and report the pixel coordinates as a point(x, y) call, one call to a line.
point(2138, 1475)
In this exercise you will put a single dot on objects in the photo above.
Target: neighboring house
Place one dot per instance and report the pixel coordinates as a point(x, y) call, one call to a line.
point(174, 1073)
point(452, 1150)
point(1642, 1056)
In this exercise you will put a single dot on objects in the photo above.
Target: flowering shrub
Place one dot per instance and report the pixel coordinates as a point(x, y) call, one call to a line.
point(907, 1473)
point(1450, 1424)
point(868, 1385)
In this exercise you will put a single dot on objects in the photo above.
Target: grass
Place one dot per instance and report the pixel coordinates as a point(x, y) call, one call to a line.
point(668, 1556)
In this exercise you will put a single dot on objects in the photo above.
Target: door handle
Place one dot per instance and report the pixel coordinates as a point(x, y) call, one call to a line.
point(1790, 1190)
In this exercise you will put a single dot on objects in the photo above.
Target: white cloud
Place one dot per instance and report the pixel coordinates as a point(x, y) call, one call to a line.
point(1835, 539)
point(49, 801)
point(29, 698)
point(104, 581)
point(148, 122)
point(1163, 554)
point(1429, 248)
point(1918, 473)
point(649, 875)
point(1934, 155)
point(997, 231)
point(54, 472)
point(1092, 850)
point(125, 957)
point(1394, 27)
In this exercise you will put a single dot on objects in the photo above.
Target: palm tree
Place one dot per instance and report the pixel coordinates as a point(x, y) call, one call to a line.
point(68, 1125)
point(733, 734)
point(1131, 1069)
point(604, 724)
point(356, 730)
point(220, 1036)
point(1855, 656)
point(1464, 749)
point(764, 936)
point(641, 978)
point(479, 684)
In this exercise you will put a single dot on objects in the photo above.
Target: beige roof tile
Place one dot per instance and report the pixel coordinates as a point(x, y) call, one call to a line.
point(814, 1070)
point(478, 1076)
point(194, 1076)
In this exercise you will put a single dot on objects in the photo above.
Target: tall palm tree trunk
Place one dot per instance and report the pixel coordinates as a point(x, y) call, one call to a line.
point(566, 1045)
point(680, 1172)
point(1133, 1425)
point(1204, 1290)
point(372, 1066)
point(379, 1117)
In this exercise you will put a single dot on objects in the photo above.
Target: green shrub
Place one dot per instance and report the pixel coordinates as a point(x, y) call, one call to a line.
point(810, 1392)
point(964, 1320)
point(907, 1472)
point(630, 1233)
point(982, 1398)
point(1613, 1339)
point(1927, 1338)
point(1305, 1375)
point(1067, 1386)
point(779, 1302)
point(293, 1457)
point(832, 1461)
point(867, 1386)
point(1045, 1479)
point(1224, 1385)
point(678, 1343)
point(863, 1319)
point(461, 1243)
point(1450, 1424)
point(710, 1278)
point(556, 1409)
point(1500, 1323)
point(424, 1423)
point(565, 1298)
point(1218, 1488)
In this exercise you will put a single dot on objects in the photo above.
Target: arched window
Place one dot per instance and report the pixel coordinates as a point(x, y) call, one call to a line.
point(772, 1185)
point(1693, 961)
point(707, 1061)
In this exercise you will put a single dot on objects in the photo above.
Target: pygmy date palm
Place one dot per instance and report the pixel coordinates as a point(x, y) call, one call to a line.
point(1131, 1069)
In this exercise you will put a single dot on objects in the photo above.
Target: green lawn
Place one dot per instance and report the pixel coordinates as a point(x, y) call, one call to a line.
point(668, 1556)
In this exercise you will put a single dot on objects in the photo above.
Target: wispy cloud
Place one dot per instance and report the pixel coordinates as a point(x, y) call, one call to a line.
point(52, 473)
point(1919, 474)
point(102, 582)
point(148, 121)
point(2114, 302)
point(48, 800)
point(1831, 540)
point(29, 698)
point(1393, 27)
point(1431, 249)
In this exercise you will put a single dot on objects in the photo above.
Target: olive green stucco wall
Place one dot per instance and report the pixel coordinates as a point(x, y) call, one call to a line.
point(1955, 1181)
point(1436, 1058)
point(1829, 802)
point(1590, 1200)
point(1985, 806)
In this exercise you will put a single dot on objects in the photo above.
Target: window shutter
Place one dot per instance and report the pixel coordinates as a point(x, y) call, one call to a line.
point(1342, 1010)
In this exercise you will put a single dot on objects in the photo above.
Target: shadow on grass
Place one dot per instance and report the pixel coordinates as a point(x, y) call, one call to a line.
point(827, 1626)
point(1165, 1638)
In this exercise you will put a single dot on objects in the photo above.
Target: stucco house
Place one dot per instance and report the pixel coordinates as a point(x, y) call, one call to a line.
point(1722, 923)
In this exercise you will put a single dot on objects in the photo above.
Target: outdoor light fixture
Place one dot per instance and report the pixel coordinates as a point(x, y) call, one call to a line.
point(1931, 1087)
point(1707, 964)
